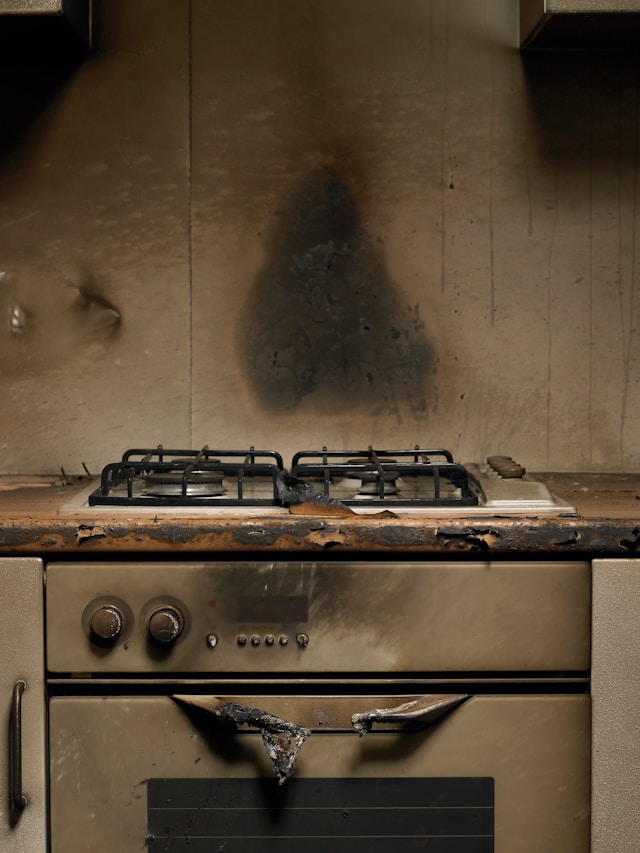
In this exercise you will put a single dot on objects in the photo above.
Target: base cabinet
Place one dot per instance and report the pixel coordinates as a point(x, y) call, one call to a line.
point(616, 706)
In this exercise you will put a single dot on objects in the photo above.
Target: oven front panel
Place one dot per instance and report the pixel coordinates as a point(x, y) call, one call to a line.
point(143, 772)
point(315, 617)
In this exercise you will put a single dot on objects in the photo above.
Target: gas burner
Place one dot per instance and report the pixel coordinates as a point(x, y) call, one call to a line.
point(400, 478)
point(161, 477)
point(382, 483)
point(371, 483)
point(194, 484)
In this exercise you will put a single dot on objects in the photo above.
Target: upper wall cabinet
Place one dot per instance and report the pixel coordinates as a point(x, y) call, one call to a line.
point(45, 29)
point(580, 24)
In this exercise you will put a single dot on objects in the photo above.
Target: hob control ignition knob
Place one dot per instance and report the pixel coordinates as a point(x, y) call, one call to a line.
point(107, 623)
point(165, 625)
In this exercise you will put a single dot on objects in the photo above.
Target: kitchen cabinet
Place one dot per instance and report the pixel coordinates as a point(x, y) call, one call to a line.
point(22, 709)
point(45, 29)
point(580, 24)
point(616, 711)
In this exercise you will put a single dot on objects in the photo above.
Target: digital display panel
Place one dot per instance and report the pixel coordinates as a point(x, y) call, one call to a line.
point(273, 608)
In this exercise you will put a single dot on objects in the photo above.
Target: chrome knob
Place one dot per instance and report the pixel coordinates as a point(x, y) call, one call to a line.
point(107, 623)
point(165, 625)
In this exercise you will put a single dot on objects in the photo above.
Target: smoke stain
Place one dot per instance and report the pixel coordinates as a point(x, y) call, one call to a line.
point(323, 321)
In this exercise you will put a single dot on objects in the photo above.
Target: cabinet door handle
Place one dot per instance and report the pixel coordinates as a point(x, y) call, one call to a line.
point(18, 799)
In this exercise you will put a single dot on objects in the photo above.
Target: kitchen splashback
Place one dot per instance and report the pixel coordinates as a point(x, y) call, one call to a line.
point(336, 222)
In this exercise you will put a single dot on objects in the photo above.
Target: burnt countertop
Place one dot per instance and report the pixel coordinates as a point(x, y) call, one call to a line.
point(35, 522)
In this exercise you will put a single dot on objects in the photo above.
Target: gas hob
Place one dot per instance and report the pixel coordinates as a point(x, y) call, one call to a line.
point(411, 482)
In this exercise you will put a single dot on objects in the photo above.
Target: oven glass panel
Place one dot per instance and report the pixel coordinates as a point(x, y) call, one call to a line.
point(381, 815)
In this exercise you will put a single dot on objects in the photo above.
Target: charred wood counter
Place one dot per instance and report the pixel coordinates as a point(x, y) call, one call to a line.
point(607, 523)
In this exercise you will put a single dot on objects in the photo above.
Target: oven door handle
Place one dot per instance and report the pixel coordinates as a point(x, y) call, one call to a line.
point(18, 799)
point(416, 714)
point(283, 740)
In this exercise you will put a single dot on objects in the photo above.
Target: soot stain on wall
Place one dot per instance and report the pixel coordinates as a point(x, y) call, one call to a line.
point(324, 320)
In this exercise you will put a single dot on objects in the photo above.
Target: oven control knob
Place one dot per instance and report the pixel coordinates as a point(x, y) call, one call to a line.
point(165, 624)
point(107, 623)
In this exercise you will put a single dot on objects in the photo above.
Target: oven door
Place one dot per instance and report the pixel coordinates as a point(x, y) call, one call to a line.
point(497, 774)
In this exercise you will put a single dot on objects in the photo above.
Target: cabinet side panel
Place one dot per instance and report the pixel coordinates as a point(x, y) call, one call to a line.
point(616, 712)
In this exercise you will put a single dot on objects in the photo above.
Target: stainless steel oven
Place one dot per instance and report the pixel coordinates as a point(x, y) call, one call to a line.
point(277, 704)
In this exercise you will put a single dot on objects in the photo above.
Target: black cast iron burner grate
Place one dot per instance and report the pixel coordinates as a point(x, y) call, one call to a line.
point(397, 478)
point(191, 478)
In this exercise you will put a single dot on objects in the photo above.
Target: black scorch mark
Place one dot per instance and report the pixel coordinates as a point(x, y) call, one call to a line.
point(324, 320)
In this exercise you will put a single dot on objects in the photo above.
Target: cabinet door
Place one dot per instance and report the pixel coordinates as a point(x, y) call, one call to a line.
point(616, 706)
point(22, 708)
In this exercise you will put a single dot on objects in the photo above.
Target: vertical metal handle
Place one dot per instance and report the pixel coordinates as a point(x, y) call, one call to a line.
point(18, 799)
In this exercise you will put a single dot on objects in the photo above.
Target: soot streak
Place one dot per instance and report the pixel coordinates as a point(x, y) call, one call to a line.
point(324, 320)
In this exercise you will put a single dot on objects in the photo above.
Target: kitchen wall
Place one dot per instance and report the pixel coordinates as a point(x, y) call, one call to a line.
point(334, 222)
